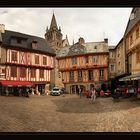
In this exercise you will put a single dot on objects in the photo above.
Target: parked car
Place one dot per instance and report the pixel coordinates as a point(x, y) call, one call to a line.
point(131, 90)
point(56, 91)
point(117, 93)
point(126, 91)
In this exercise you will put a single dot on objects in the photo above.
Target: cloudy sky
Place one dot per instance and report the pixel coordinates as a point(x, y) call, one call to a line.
point(93, 24)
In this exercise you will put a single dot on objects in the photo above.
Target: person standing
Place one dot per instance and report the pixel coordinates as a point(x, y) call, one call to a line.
point(80, 92)
point(20, 92)
point(27, 93)
point(93, 94)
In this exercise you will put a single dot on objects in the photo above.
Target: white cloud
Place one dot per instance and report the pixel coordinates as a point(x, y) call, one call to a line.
point(91, 23)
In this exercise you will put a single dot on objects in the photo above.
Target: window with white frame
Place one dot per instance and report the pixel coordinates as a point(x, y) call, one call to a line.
point(74, 61)
point(79, 75)
point(112, 68)
point(90, 74)
point(71, 75)
point(94, 59)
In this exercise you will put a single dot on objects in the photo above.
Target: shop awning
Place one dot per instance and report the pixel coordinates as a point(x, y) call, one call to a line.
point(131, 77)
point(16, 83)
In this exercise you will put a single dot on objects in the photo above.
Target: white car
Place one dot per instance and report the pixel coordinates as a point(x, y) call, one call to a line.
point(55, 91)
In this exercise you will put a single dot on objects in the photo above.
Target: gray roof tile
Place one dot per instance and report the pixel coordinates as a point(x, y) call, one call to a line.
point(132, 22)
point(85, 48)
point(42, 44)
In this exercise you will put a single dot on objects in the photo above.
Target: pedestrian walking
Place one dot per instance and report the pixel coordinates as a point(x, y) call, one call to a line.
point(80, 92)
point(20, 92)
point(27, 93)
point(93, 94)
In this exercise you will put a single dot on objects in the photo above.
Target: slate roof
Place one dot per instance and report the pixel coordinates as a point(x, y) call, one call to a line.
point(76, 49)
point(131, 23)
point(63, 52)
point(111, 47)
point(41, 42)
point(96, 47)
point(85, 48)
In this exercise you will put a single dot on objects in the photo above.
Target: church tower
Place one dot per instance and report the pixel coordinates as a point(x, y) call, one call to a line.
point(53, 35)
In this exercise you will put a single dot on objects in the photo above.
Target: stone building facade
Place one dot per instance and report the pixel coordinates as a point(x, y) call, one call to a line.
point(112, 62)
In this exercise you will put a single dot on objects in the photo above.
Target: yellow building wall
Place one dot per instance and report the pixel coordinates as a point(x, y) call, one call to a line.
point(133, 48)
point(133, 33)
point(135, 65)
point(120, 58)
point(66, 65)
point(67, 62)
point(85, 75)
point(96, 75)
point(105, 74)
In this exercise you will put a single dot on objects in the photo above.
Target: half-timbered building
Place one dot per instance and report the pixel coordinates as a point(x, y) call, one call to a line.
point(25, 61)
point(84, 64)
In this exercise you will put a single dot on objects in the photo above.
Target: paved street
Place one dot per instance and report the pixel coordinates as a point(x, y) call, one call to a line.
point(68, 113)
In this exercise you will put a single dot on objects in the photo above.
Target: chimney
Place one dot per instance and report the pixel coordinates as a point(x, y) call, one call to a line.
point(81, 40)
point(2, 28)
point(106, 40)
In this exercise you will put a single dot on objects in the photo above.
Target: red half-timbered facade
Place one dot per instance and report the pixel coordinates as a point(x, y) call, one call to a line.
point(25, 58)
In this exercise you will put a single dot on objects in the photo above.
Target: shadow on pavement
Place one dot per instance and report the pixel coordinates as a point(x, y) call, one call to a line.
point(77, 105)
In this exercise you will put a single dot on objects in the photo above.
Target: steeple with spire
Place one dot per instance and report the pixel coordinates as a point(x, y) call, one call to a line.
point(53, 23)
point(53, 35)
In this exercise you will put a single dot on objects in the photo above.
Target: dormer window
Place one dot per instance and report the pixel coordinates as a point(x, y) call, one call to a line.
point(19, 40)
point(34, 44)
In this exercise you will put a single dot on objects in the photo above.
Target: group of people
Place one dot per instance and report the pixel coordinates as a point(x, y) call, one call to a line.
point(19, 92)
point(23, 91)
point(92, 95)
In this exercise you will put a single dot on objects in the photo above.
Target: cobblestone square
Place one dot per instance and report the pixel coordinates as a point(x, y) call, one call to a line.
point(68, 113)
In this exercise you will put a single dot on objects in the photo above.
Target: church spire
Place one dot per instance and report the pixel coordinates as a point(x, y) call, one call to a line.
point(53, 23)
